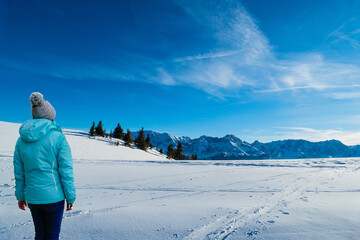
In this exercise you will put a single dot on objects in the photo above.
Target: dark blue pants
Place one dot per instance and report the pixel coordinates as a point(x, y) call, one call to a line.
point(47, 220)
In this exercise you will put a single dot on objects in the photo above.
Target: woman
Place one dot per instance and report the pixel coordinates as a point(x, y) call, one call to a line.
point(43, 169)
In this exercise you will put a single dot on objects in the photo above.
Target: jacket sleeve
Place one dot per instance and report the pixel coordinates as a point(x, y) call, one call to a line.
point(19, 173)
point(66, 171)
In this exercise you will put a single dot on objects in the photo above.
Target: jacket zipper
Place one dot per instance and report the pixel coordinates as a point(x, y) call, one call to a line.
point(53, 175)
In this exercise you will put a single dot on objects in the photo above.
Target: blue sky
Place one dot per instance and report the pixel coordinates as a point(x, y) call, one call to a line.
point(258, 69)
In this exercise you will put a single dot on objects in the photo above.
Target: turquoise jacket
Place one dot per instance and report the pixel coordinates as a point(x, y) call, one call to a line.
point(43, 164)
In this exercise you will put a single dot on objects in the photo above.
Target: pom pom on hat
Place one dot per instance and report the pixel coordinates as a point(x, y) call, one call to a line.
point(36, 99)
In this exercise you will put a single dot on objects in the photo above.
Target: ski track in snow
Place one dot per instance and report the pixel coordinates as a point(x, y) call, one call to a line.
point(222, 227)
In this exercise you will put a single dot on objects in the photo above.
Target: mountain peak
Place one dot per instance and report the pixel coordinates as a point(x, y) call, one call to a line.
point(230, 137)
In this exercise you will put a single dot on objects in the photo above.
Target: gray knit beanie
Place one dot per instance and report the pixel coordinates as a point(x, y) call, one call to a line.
point(41, 108)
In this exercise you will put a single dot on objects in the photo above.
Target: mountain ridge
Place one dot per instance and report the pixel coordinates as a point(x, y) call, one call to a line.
point(231, 147)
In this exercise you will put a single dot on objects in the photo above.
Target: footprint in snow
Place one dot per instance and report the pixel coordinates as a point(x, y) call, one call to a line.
point(284, 203)
point(252, 233)
point(283, 212)
point(4, 204)
point(74, 213)
point(305, 199)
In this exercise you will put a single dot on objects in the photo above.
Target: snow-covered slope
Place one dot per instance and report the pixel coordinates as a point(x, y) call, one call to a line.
point(82, 145)
point(230, 147)
point(125, 199)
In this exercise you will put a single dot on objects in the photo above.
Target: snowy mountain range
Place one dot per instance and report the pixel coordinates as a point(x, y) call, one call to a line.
point(231, 147)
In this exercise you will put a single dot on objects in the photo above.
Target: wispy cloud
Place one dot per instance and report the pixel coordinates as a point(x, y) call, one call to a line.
point(164, 78)
point(341, 34)
point(323, 133)
point(311, 71)
point(221, 72)
point(346, 95)
point(208, 55)
point(319, 87)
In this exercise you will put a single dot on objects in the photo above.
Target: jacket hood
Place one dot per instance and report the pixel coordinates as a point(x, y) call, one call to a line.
point(34, 129)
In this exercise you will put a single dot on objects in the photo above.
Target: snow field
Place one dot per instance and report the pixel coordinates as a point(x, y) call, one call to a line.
point(131, 194)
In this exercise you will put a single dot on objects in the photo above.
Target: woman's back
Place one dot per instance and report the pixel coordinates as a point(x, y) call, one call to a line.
point(44, 154)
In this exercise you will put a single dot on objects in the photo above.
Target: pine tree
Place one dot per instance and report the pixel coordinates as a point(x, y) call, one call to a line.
point(99, 129)
point(111, 133)
point(92, 130)
point(179, 152)
point(140, 140)
point(195, 157)
point(161, 151)
point(128, 138)
point(118, 132)
point(170, 151)
point(148, 142)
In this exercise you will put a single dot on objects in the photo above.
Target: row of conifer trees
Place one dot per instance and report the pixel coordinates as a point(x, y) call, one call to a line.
point(178, 153)
point(142, 143)
point(118, 133)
